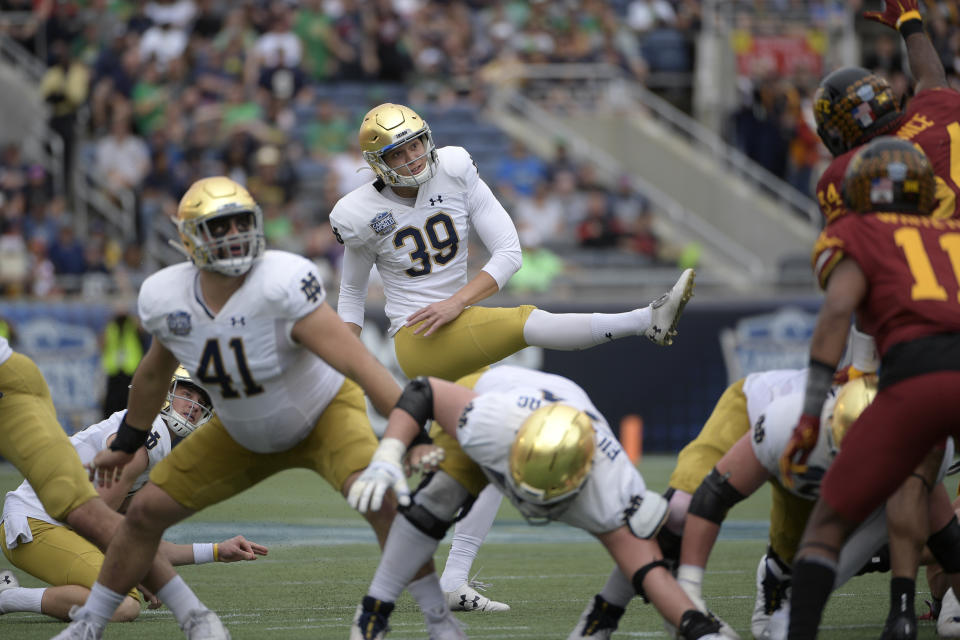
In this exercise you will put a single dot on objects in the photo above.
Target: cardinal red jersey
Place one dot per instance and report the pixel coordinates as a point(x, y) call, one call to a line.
point(911, 263)
point(932, 122)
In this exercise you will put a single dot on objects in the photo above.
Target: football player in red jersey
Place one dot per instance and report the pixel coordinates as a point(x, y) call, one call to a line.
point(852, 106)
point(894, 266)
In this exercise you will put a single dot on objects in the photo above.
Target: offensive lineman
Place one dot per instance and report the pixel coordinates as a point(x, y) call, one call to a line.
point(39, 544)
point(252, 327)
point(540, 440)
point(413, 223)
point(893, 265)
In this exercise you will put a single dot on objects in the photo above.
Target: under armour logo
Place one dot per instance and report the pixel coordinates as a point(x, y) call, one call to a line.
point(608, 335)
point(439, 199)
point(474, 603)
point(7, 580)
point(311, 287)
point(234, 321)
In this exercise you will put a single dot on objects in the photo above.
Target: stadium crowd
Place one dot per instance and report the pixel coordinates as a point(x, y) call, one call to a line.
point(153, 95)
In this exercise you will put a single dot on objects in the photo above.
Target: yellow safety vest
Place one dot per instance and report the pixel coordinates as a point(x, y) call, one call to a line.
point(122, 349)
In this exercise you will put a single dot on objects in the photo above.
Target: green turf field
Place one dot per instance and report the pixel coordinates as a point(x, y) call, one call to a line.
point(322, 557)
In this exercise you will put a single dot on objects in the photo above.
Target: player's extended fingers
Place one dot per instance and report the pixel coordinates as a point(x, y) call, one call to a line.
point(353, 496)
point(403, 492)
point(259, 549)
point(365, 498)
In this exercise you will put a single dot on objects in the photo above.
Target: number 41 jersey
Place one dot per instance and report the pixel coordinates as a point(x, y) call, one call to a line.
point(911, 264)
point(266, 389)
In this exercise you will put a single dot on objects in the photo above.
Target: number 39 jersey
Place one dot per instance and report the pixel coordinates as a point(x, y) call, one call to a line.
point(266, 389)
point(23, 502)
point(490, 423)
point(910, 262)
point(420, 251)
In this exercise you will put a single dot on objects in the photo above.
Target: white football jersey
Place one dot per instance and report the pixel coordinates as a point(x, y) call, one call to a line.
point(23, 502)
point(266, 389)
point(490, 423)
point(420, 251)
point(5, 350)
point(764, 387)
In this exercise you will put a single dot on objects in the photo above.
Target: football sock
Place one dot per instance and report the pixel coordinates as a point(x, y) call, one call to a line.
point(812, 582)
point(407, 550)
point(902, 591)
point(468, 535)
point(21, 599)
point(618, 590)
point(572, 331)
point(180, 599)
point(426, 591)
point(100, 605)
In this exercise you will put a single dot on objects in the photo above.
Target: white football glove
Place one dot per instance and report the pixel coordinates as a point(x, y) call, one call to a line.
point(385, 471)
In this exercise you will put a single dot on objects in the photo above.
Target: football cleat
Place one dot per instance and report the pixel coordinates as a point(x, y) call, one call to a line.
point(441, 625)
point(948, 622)
point(900, 626)
point(79, 629)
point(203, 624)
point(7, 581)
point(466, 598)
point(370, 619)
point(773, 592)
point(665, 311)
point(779, 624)
point(599, 620)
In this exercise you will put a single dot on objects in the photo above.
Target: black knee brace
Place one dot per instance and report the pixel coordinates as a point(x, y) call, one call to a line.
point(641, 574)
point(714, 497)
point(694, 624)
point(945, 546)
point(425, 521)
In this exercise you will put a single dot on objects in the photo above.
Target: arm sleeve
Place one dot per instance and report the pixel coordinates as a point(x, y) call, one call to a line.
point(496, 231)
point(354, 277)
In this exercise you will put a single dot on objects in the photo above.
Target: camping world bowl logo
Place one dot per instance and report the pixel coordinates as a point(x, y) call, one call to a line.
point(778, 340)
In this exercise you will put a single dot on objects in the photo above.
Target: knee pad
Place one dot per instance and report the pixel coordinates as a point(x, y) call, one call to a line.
point(435, 504)
point(945, 546)
point(714, 497)
point(641, 574)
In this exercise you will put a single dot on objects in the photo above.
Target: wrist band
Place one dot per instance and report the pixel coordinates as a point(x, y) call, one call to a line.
point(909, 24)
point(216, 552)
point(204, 552)
point(128, 439)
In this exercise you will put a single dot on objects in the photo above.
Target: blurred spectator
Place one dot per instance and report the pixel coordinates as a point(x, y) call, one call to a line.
point(14, 260)
point(14, 172)
point(66, 252)
point(131, 271)
point(540, 265)
point(277, 50)
point(518, 173)
point(121, 157)
point(328, 131)
point(350, 169)
point(149, 98)
point(42, 277)
point(600, 229)
point(541, 214)
point(64, 87)
point(163, 42)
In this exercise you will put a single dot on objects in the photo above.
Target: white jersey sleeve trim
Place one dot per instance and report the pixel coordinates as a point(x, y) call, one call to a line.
point(354, 279)
point(497, 232)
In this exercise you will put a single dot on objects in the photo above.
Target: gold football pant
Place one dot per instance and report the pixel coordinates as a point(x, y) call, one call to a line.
point(33, 440)
point(210, 466)
point(728, 423)
point(57, 555)
point(478, 337)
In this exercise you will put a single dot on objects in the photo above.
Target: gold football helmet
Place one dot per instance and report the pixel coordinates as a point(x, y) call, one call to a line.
point(551, 455)
point(204, 222)
point(852, 398)
point(198, 412)
point(389, 126)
